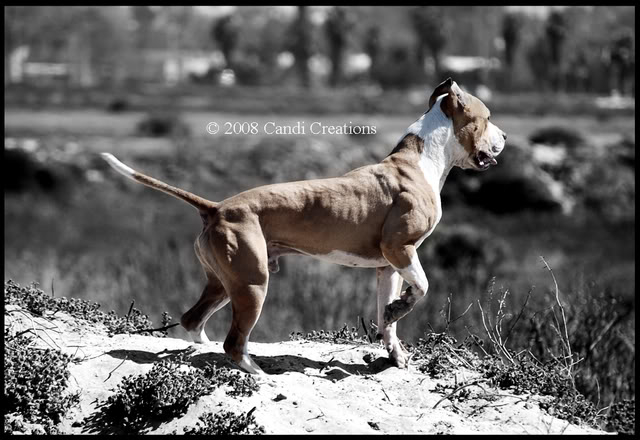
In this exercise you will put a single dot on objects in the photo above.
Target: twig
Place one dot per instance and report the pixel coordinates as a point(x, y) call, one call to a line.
point(488, 405)
point(463, 313)
point(474, 337)
point(475, 382)
point(364, 327)
point(109, 376)
point(11, 338)
point(43, 329)
point(496, 343)
point(385, 393)
point(453, 350)
point(317, 417)
point(326, 365)
point(151, 330)
point(564, 319)
point(130, 309)
point(519, 314)
point(604, 331)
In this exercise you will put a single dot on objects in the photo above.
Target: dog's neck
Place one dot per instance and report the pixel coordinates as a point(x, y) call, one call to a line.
point(439, 153)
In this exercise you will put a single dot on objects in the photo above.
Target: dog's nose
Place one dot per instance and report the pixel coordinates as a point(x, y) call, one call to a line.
point(504, 135)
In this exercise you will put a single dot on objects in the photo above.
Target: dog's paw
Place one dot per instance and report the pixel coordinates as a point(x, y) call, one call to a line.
point(199, 336)
point(395, 311)
point(399, 357)
point(249, 365)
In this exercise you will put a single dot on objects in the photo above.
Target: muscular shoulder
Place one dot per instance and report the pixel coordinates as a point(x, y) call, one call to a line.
point(412, 216)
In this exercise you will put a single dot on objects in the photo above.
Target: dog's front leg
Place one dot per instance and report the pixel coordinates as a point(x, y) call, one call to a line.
point(389, 287)
point(411, 273)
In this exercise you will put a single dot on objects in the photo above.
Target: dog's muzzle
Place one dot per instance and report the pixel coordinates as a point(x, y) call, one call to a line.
point(484, 160)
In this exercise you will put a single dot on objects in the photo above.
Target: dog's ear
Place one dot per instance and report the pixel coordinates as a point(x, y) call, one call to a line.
point(459, 94)
point(443, 88)
point(449, 87)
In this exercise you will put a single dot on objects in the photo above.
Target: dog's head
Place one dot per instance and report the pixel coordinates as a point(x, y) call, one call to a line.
point(477, 140)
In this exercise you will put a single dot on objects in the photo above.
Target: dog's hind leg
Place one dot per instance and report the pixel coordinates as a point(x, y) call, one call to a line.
point(242, 264)
point(247, 304)
point(213, 298)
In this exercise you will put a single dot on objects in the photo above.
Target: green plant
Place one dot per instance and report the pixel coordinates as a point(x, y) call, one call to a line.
point(440, 353)
point(226, 423)
point(527, 375)
point(522, 372)
point(241, 384)
point(622, 417)
point(37, 302)
point(35, 381)
point(345, 335)
point(166, 391)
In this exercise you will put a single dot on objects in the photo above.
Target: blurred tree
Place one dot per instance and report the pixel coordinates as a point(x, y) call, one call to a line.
point(264, 40)
point(622, 56)
point(143, 16)
point(431, 25)
point(372, 47)
point(301, 48)
point(578, 72)
point(538, 61)
point(397, 68)
point(44, 30)
point(337, 26)
point(556, 33)
point(178, 20)
point(511, 26)
point(225, 32)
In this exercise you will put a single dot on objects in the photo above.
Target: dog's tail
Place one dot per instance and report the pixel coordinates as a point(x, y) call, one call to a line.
point(198, 202)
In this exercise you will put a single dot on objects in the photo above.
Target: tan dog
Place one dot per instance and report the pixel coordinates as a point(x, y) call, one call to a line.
point(374, 216)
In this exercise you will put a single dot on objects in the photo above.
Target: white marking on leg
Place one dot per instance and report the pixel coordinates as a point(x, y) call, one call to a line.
point(389, 285)
point(250, 366)
point(415, 276)
point(199, 336)
point(389, 282)
point(419, 285)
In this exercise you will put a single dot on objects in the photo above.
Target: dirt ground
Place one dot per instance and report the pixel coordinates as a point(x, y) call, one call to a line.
point(311, 387)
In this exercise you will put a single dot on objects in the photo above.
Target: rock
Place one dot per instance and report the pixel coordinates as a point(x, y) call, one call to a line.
point(517, 183)
point(28, 168)
point(558, 136)
point(279, 397)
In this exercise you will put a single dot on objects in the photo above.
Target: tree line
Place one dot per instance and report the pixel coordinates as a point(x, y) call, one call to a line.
point(573, 49)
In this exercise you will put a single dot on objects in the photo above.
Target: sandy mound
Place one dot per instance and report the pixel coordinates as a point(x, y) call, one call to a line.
point(312, 387)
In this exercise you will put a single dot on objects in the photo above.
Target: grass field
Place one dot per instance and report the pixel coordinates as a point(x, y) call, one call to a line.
point(99, 237)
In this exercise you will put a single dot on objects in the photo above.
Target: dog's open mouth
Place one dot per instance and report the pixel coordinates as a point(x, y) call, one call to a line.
point(484, 160)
